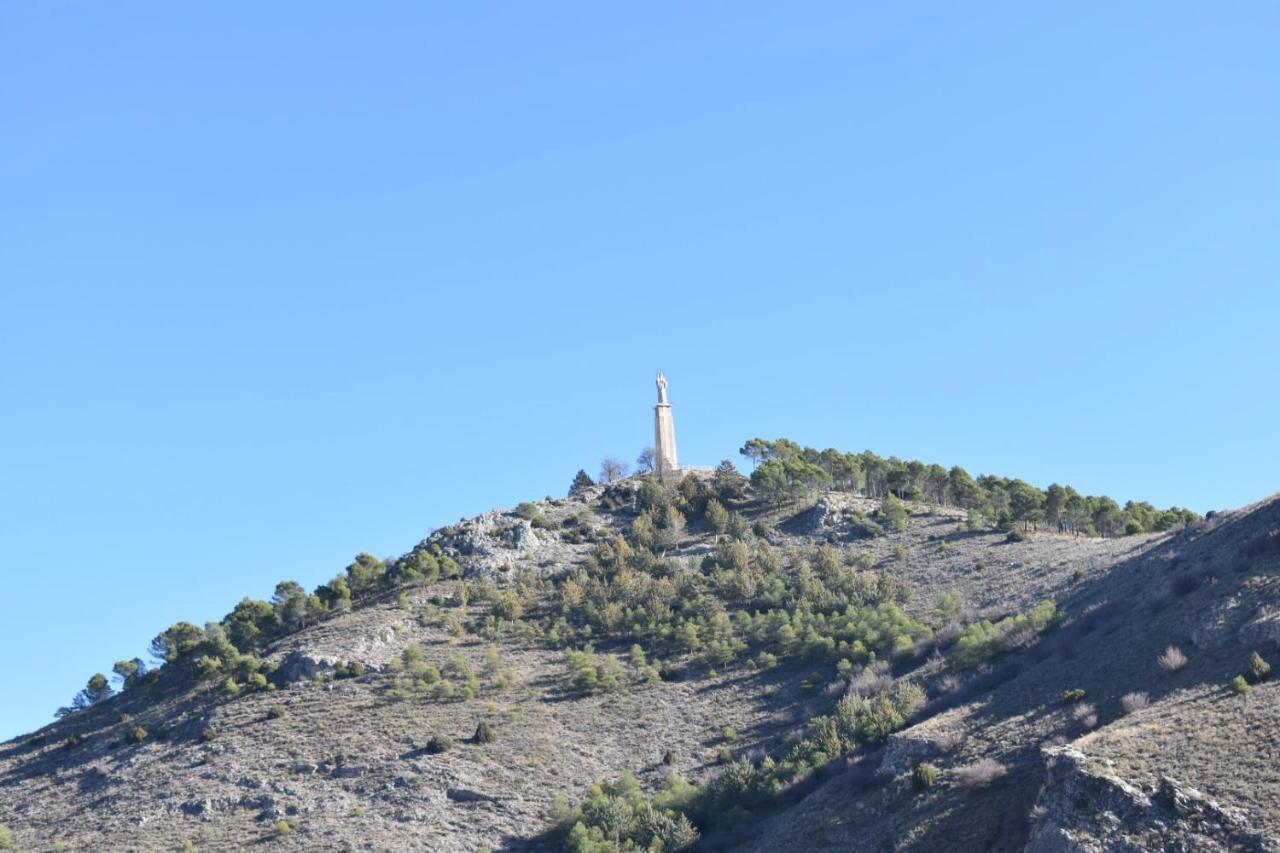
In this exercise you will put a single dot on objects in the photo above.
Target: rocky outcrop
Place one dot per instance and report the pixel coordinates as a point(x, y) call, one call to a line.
point(816, 521)
point(541, 536)
point(1264, 628)
point(1084, 808)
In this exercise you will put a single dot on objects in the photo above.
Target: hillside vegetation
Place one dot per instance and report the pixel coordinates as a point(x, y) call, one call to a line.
point(839, 651)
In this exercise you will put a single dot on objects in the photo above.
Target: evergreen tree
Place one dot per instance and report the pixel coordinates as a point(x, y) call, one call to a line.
point(97, 690)
point(130, 672)
point(728, 483)
point(581, 480)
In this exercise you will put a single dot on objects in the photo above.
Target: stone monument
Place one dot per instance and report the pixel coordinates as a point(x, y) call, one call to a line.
point(664, 434)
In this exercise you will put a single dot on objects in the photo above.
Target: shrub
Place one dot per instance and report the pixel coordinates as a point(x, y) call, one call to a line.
point(980, 773)
point(615, 816)
point(275, 712)
point(1015, 535)
point(1239, 685)
point(1134, 702)
point(983, 640)
point(730, 734)
point(208, 733)
point(1074, 695)
point(924, 775)
point(281, 829)
point(6, 837)
point(485, 733)
point(1172, 660)
point(593, 673)
point(1085, 714)
point(351, 669)
point(891, 514)
point(137, 734)
point(1259, 669)
point(669, 758)
point(443, 743)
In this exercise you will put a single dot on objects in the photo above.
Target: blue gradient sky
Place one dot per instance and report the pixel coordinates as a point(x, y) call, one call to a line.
point(284, 282)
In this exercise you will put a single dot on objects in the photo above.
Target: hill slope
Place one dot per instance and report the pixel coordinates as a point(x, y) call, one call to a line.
point(750, 644)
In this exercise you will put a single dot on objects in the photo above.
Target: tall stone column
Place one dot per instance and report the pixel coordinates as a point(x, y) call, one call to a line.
point(664, 434)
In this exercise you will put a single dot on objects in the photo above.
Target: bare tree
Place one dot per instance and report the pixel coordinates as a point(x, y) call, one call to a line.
point(612, 469)
point(644, 462)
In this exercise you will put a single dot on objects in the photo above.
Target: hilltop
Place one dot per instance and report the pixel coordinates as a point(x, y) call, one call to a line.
point(839, 653)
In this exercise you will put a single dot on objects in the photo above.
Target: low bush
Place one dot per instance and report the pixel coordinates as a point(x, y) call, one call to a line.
point(6, 837)
point(615, 816)
point(350, 669)
point(981, 641)
point(924, 775)
point(1085, 714)
point(980, 773)
point(137, 734)
point(593, 673)
point(437, 744)
point(1134, 702)
point(485, 733)
point(1074, 695)
point(1259, 669)
point(891, 514)
point(1239, 685)
point(1172, 660)
point(1015, 535)
point(275, 712)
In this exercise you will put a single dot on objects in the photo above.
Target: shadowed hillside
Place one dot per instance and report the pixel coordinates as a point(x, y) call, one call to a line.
point(783, 662)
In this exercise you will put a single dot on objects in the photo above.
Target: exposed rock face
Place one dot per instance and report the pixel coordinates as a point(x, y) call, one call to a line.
point(1262, 629)
point(903, 751)
point(1083, 809)
point(816, 521)
point(488, 537)
point(543, 535)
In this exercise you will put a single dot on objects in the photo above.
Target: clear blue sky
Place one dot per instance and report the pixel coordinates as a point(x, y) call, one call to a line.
point(284, 282)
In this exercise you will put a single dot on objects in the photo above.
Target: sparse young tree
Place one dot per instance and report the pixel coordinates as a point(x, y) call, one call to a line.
point(644, 533)
point(130, 672)
point(670, 528)
point(612, 469)
point(97, 690)
point(717, 517)
point(892, 515)
point(645, 461)
point(727, 482)
point(290, 604)
point(581, 480)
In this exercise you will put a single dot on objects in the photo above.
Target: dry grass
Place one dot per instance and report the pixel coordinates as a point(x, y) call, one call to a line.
point(1172, 660)
point(980, 773)
point(1134, 702)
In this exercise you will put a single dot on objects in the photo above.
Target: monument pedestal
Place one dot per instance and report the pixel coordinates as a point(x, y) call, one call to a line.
point(665, 462)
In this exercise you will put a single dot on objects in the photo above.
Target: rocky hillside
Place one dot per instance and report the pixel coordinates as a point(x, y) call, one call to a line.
point(701, 667)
